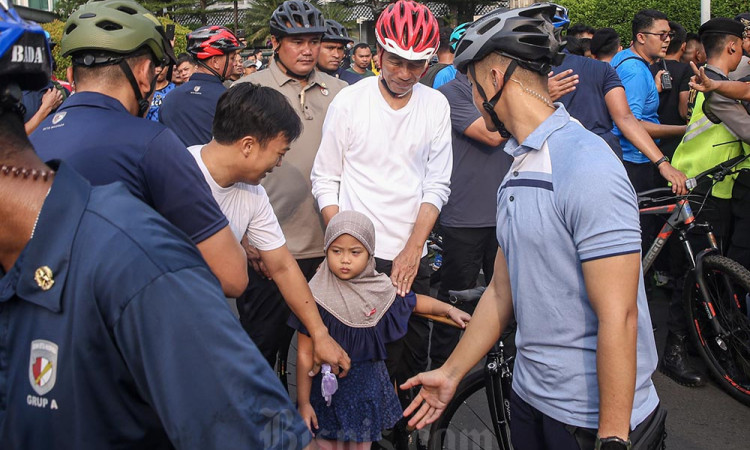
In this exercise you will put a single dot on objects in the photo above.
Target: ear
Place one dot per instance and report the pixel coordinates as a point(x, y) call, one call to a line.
point(683, 47)
point(145, 72)
point(247, 144)
point(640, 38)
point(275, 43)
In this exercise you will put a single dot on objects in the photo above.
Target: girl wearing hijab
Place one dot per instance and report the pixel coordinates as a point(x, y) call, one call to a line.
point(362, 312)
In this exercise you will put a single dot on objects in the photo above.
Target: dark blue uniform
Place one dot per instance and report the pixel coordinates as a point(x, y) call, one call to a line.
point(190, 108)
point(115, 334)
point(105, 143)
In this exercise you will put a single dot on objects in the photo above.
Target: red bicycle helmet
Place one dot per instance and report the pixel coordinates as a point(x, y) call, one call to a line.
point(409, 30)
point(214, 40)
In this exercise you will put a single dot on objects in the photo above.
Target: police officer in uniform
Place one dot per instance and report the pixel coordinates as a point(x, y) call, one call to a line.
point(93, 352)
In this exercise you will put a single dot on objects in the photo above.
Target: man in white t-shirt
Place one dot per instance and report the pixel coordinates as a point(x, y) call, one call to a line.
point(386, 152)
point(252, 130)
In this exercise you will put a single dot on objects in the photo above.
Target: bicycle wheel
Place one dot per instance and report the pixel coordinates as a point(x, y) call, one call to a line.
point(727, 354)
point(466, 423)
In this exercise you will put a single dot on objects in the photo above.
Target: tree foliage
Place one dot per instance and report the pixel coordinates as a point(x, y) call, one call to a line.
point(257, 17)
point(619, 15)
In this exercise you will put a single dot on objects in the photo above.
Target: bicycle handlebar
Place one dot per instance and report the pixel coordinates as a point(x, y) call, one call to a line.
point(718, 172)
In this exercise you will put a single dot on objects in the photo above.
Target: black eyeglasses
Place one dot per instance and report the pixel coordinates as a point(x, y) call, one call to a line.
point(663, 36)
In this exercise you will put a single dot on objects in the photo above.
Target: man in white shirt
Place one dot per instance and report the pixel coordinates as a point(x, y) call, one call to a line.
point(253, 128)
point(386, 152)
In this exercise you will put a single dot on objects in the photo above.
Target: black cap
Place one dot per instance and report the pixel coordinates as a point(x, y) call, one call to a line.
point(722, 25)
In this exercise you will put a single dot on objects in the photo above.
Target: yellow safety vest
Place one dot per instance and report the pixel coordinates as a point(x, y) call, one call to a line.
point(705, 145)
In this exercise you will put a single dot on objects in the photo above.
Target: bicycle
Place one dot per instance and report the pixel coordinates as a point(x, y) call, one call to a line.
point(716, 290)
point(467, 423)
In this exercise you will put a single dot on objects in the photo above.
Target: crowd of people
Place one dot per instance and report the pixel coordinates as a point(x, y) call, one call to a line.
point(170, 221)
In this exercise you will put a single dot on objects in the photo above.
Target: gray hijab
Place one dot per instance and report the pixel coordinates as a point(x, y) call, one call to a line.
point(361, 301)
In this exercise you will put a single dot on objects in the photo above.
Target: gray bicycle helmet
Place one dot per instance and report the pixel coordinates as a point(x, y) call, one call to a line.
point(526, 35)
point(296, 17)
point(335, 32)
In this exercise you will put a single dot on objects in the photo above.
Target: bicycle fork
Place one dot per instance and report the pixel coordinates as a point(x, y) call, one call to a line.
point(708, 306)
point(498, 379)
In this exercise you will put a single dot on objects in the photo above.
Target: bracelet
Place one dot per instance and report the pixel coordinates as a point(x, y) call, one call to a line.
point(664, 158)
point(448, 313)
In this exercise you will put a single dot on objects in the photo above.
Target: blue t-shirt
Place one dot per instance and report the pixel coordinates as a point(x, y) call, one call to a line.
point(478, 168)
point(643, 98)
point(96, 135)
point(565, 201)
point(586, 103)
point(445, 75)
point(156, 101)
point(190, 108)
point(133, 346)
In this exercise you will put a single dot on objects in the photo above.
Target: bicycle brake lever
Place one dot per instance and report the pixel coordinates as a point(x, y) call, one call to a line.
point(690, 184)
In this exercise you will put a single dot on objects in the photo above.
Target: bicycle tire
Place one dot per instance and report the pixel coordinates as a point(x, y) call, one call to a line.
point(728, 284)
point(475, 431)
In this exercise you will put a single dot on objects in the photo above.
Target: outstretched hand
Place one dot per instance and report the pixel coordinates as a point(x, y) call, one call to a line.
point(437, 391)
point(561, 83)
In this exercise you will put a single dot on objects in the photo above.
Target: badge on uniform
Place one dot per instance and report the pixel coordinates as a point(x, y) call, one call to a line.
point(43, 278)
point(43, 366)
point(58, 117)
point(196, 89)
point(323, 89)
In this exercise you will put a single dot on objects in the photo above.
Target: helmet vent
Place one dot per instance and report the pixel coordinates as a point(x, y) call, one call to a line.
point(487, 26)
point(71, 28)
point(87, 15)
point(107, 25)
point(127, 10)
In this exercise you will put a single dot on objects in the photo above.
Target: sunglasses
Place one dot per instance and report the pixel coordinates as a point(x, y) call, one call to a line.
point(662, 36)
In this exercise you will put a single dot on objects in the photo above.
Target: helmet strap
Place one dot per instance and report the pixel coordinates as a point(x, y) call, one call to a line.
point(489, 105)
point(393, 94)
point(287, 69)
point(11, 99)
point(210, 69)
point(143, 103)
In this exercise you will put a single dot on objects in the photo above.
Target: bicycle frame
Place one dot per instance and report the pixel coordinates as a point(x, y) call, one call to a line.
point(497, 379)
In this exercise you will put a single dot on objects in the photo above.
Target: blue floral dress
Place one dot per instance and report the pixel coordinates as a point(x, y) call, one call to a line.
point(365, 403)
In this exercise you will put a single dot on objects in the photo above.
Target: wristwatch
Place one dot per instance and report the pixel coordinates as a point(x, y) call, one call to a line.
point(612, 443)
point(664, 158)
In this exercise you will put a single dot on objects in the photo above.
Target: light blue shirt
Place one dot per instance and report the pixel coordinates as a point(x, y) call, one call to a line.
point(567, 200)
point(643, 98)
point(446, 74)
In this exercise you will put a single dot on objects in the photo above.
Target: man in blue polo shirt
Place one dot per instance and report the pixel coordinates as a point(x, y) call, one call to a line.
point(99, 131)
point(93, 353)
point(568, 268)
point(189, 109)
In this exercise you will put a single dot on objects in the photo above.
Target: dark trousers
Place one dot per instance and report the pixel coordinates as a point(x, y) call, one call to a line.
point(530, 429)
point(644, 177)
point(408, 356)
point(264, 313)
point(465, 252)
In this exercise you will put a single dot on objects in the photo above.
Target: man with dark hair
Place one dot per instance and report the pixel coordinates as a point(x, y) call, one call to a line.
point(252, 129)
point(100, 130)
point(189, 109)
point(296, 30)
point(115, 332)
point(743, 69)
point(161, 89)
point(719, 129)
point(444, 60)
point(579, 39)
point(361, 57)
point(184, 68)
point(332, 51)
point(581, 30)
point(693, 50)
point(651, 37)
point(605, 44)
point(577, 384)
point(673, 100)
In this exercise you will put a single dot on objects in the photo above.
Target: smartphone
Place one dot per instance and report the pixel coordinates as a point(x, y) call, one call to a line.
point(666, 81)
point(170, 32)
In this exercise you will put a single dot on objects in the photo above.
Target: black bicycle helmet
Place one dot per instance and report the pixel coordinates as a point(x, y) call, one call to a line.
point(335, 32)
point(296, 17)
point(526, 35)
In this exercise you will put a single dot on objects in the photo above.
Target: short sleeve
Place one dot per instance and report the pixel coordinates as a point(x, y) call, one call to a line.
point(611, 79)
point(264, 231)
point(463, 110)
point(178, 189)
point(601, 212)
